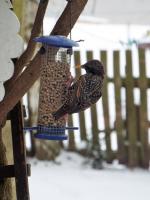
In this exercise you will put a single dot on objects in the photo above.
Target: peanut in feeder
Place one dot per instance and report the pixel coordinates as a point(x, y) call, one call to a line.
point(55, 77)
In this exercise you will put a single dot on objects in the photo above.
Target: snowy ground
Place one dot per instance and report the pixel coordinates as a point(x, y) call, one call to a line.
point(72, 179)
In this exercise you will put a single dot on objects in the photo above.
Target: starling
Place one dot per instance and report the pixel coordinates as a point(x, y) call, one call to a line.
point(85, 91)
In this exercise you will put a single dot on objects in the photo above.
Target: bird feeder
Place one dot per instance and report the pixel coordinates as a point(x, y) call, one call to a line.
point(54, 81)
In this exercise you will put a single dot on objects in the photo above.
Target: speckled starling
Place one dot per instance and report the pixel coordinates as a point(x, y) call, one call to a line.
point(85, 91)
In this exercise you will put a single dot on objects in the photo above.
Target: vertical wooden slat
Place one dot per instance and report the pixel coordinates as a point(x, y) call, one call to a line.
point(71, 145)
point(19, 153)
point(143, 111)
point(138, 134)
point(95, 131)
point(89, 55)
point(81, 114)
point(119, 122)
point(109, 153)
point(131, 114)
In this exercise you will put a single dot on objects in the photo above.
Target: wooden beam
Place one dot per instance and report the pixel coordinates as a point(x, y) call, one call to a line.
point(83, 134)
point(8, 171)
point(106, 111)
point(143, 109)
point(19, 152)
point(131, 114)
point(94, 118)
point(119, 121)
point(32, 72)
point(136, 81)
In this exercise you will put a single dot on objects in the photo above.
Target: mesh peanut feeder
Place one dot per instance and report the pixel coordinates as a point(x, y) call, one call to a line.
point(55, 76)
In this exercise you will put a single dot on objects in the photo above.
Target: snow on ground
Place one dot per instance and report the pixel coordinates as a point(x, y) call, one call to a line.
point(70, 178)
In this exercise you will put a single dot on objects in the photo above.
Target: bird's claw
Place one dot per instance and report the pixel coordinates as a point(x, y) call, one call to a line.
point(70, 80)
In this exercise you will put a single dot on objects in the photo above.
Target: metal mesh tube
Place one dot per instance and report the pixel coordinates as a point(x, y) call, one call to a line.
point(54, 76)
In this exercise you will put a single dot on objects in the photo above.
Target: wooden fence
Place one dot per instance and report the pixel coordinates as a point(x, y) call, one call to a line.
point(131, 130)
point(130, 123)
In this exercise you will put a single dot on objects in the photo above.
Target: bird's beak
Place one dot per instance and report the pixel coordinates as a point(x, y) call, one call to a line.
point(78, 66)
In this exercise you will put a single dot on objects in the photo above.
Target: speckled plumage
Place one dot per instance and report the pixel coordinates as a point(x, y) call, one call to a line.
point(85, 91)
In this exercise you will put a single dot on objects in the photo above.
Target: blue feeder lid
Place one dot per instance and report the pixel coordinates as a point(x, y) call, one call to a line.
point(57, 41)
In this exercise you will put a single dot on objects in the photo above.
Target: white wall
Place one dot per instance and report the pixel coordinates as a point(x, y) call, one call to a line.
point(10, 43)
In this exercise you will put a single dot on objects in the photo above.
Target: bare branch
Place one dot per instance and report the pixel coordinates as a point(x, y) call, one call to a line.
point(62, 26)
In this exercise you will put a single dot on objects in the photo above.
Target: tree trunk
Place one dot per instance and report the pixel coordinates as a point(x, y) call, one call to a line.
point(5, 184)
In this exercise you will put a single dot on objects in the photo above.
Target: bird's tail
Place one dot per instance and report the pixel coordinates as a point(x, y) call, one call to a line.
point(58, 114)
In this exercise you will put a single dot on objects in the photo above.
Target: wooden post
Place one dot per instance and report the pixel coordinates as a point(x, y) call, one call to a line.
point(138, 118)
point(19, 153)
point(81, 114)
point(131, 114)
point(143, 111)
point(119, 122)
point(5, 184)
point(106, 110)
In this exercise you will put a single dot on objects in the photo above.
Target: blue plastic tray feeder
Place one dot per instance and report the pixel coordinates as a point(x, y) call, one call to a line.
point(55, 76)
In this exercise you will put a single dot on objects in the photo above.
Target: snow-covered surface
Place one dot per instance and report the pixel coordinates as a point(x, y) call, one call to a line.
point(101, 36)
point(112, 12)
point(71, 178)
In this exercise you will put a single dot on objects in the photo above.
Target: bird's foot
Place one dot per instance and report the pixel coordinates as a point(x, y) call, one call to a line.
point(70, 80)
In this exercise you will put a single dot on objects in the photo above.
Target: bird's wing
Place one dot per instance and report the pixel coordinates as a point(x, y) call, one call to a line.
point(91, 86)
point(83, 105)
point(95, 96)
point(86, 93)
point(81, 85)
point(77, 88)
point(86, 84)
